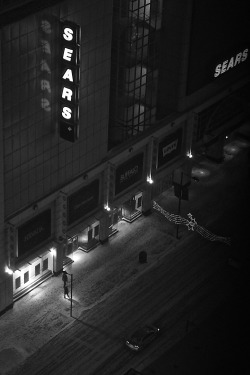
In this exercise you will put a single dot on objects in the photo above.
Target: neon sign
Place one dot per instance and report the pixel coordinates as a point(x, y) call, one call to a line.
point(231, 63)
point(70, 79)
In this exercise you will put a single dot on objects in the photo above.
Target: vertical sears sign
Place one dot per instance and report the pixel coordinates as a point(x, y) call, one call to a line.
point(70, 79)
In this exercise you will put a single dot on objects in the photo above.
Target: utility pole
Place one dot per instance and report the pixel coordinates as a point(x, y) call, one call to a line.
point(179, 206)
point(71, 290)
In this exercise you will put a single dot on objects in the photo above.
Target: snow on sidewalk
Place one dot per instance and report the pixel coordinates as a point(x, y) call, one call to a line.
point(43, 313)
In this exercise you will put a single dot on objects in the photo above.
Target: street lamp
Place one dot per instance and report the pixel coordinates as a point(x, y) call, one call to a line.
point(71, 291)
point(180, 197)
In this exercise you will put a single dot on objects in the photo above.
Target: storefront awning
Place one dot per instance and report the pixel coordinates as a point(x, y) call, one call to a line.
point(125, 197)
point(30, 259)
point(78, 228)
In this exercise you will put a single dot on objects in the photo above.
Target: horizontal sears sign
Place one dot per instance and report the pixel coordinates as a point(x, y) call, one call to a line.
point(169, 147)
point(34, 232)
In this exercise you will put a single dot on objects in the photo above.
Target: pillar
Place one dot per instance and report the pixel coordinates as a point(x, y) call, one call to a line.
point(147, 200)
point(104, 227)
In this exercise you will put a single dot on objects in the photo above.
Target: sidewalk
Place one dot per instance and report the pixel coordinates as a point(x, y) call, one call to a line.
point(43, 313)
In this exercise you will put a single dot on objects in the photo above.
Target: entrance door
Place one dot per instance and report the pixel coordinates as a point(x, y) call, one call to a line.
point(138, 201)
point(132, 209)
point(72, 245)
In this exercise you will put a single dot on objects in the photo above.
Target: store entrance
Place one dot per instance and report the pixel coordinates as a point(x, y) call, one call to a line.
point(72, 245)
point(132, 208)
point(88, 238)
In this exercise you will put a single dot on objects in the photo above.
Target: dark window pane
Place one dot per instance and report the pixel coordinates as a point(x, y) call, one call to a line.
point(26, 277)
point(18, 282)
point(37, 269)
point(45, 264)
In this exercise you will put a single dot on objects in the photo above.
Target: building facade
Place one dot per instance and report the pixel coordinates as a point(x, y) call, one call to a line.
point(98, 99)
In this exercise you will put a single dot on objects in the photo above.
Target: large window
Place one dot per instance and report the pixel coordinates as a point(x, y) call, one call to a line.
point(135, 76)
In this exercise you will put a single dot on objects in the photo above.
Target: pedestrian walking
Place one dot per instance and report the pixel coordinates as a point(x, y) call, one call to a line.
point(66, 291)
point(64, 278)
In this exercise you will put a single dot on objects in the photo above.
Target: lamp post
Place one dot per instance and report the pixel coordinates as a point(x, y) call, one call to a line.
point(71, 291)
point(179, 205)
point(180, 198)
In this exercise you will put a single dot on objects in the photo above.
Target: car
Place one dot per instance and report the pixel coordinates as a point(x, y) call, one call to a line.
point(142, 337)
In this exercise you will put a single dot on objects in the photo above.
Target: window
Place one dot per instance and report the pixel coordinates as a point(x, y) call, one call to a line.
point(96, 231)
point(37, 269)
point(90, 234)
point(26, 277)
point(18, 282)
point(45, 264)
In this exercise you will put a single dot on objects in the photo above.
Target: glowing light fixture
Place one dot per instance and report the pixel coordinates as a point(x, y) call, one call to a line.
point(106, 207)
point(149, 180)
point(53, 251)
point(8, 270)
point(189, 154)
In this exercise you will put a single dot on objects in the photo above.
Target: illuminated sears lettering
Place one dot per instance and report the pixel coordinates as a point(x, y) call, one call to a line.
point(68, 75)
point(68, 34)
point(232, 62)
point(67, 54)
point(244, 55)
point(67, 94)
point(70, 56)
point(67, 113)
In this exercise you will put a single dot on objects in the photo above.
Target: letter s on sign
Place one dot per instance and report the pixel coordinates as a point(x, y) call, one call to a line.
point(68, 34)
point(244, 54)
point(217, 70)
point(67, 113)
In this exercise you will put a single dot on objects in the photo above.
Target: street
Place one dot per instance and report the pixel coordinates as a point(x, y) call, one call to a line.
point(183, 287)
point(178, 292)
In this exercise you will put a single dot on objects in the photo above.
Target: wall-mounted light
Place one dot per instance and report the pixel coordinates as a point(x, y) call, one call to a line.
point(53, 251)
point(189, 154)
point(106, 207)
point(149, 180)
point(8, 270)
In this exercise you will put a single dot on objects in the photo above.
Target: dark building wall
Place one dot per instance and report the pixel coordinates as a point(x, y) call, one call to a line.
point(196, 37)
point(219, 32)
point(173, 46)
point(36, 160)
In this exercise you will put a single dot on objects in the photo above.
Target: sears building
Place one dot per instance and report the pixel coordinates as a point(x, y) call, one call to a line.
point(98, 99)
